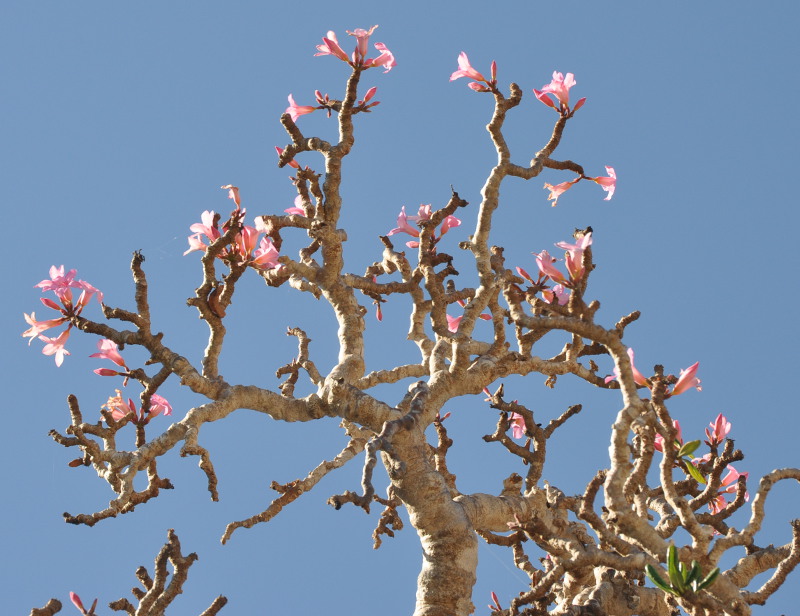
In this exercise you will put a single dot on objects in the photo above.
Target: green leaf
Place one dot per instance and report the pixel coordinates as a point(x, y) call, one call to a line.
point(688, 449)
point(673, 568)
point(693, 574)
point(654, 576)
point(708, 580)
point(694, 472)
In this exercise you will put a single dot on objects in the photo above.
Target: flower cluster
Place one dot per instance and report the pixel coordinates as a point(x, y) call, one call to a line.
point(558, 89)
point(246, 248)
point(607, 183)
point(719, 429)
point(61, 285)
point(424, 213)
point(119, 408)
point(575, 270)
point(330, 47)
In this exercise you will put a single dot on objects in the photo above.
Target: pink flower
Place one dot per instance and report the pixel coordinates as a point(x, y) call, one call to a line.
point(76, 601)
point(638, 377)
point(362, 39)
point(559, 294)
point(658, 441)
point(206, 227)
point(55, 346)
point(574, 259)
point(61, 283)
point(608, 184)
point(545, 264)
point(719, 430)
point(559, 189)
point(233, 193)
point(448, 223)
point(266, 256)
point(120, 409)
point(559, 89)
point(687, 380)
point(37, 327)
point(517, 425)
point(385, 59)
point(730, 481)
point(159, 406)
point(330, 46)
point(402, 224)
point(295, 110)
point(453, 323)
point(109, 350)
point(291, 163)
point(465, 70)
point(368, 96)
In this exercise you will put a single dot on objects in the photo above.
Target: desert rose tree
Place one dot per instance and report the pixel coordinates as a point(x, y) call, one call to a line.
point(648, 534)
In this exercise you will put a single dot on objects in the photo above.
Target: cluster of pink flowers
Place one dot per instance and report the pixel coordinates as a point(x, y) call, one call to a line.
point(246, 248)
point(61, 285)
point(330, 47)
point(686, 380)
point(358, 59)
point(716, 433)
point(108, 349)
point(424, 213)
point(465, 70)
point(558, 91)
point(608, 184)
point(575, 270)
point(119, 408)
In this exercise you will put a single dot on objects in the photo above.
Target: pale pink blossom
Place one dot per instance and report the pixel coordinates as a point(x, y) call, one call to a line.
point(119, 408)
point(159, 406)
point(558, 294)
point(545, 264)
point(574, 259)
point(330, 46)
point(55, 346)
point(207, 227)
point(109, 350)
point(291, 163)
point(385, 59)
point(525, 275)
point(266, 255)
point(233, 193)
point(638, 377)
point(61, 283)
point(296, 209)
point(608, 184)
point(448, 223)
point(559, 189)
point(402, 224)
point(517, 425)
point(730, 482)
point(465, 70)
point(719, 430)
point(558, 88)
point(37, 327)
point(687, 380)
point(453, 322)
point(658, 441)
point(362, 40)
point(295, 111)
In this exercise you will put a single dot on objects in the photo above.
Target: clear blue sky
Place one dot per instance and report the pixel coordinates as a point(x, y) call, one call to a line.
point(121, 122)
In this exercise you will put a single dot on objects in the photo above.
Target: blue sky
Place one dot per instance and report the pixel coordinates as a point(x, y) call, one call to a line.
point(121, 122)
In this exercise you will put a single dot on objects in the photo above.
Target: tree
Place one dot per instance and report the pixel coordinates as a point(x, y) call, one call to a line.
point(596, 557)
